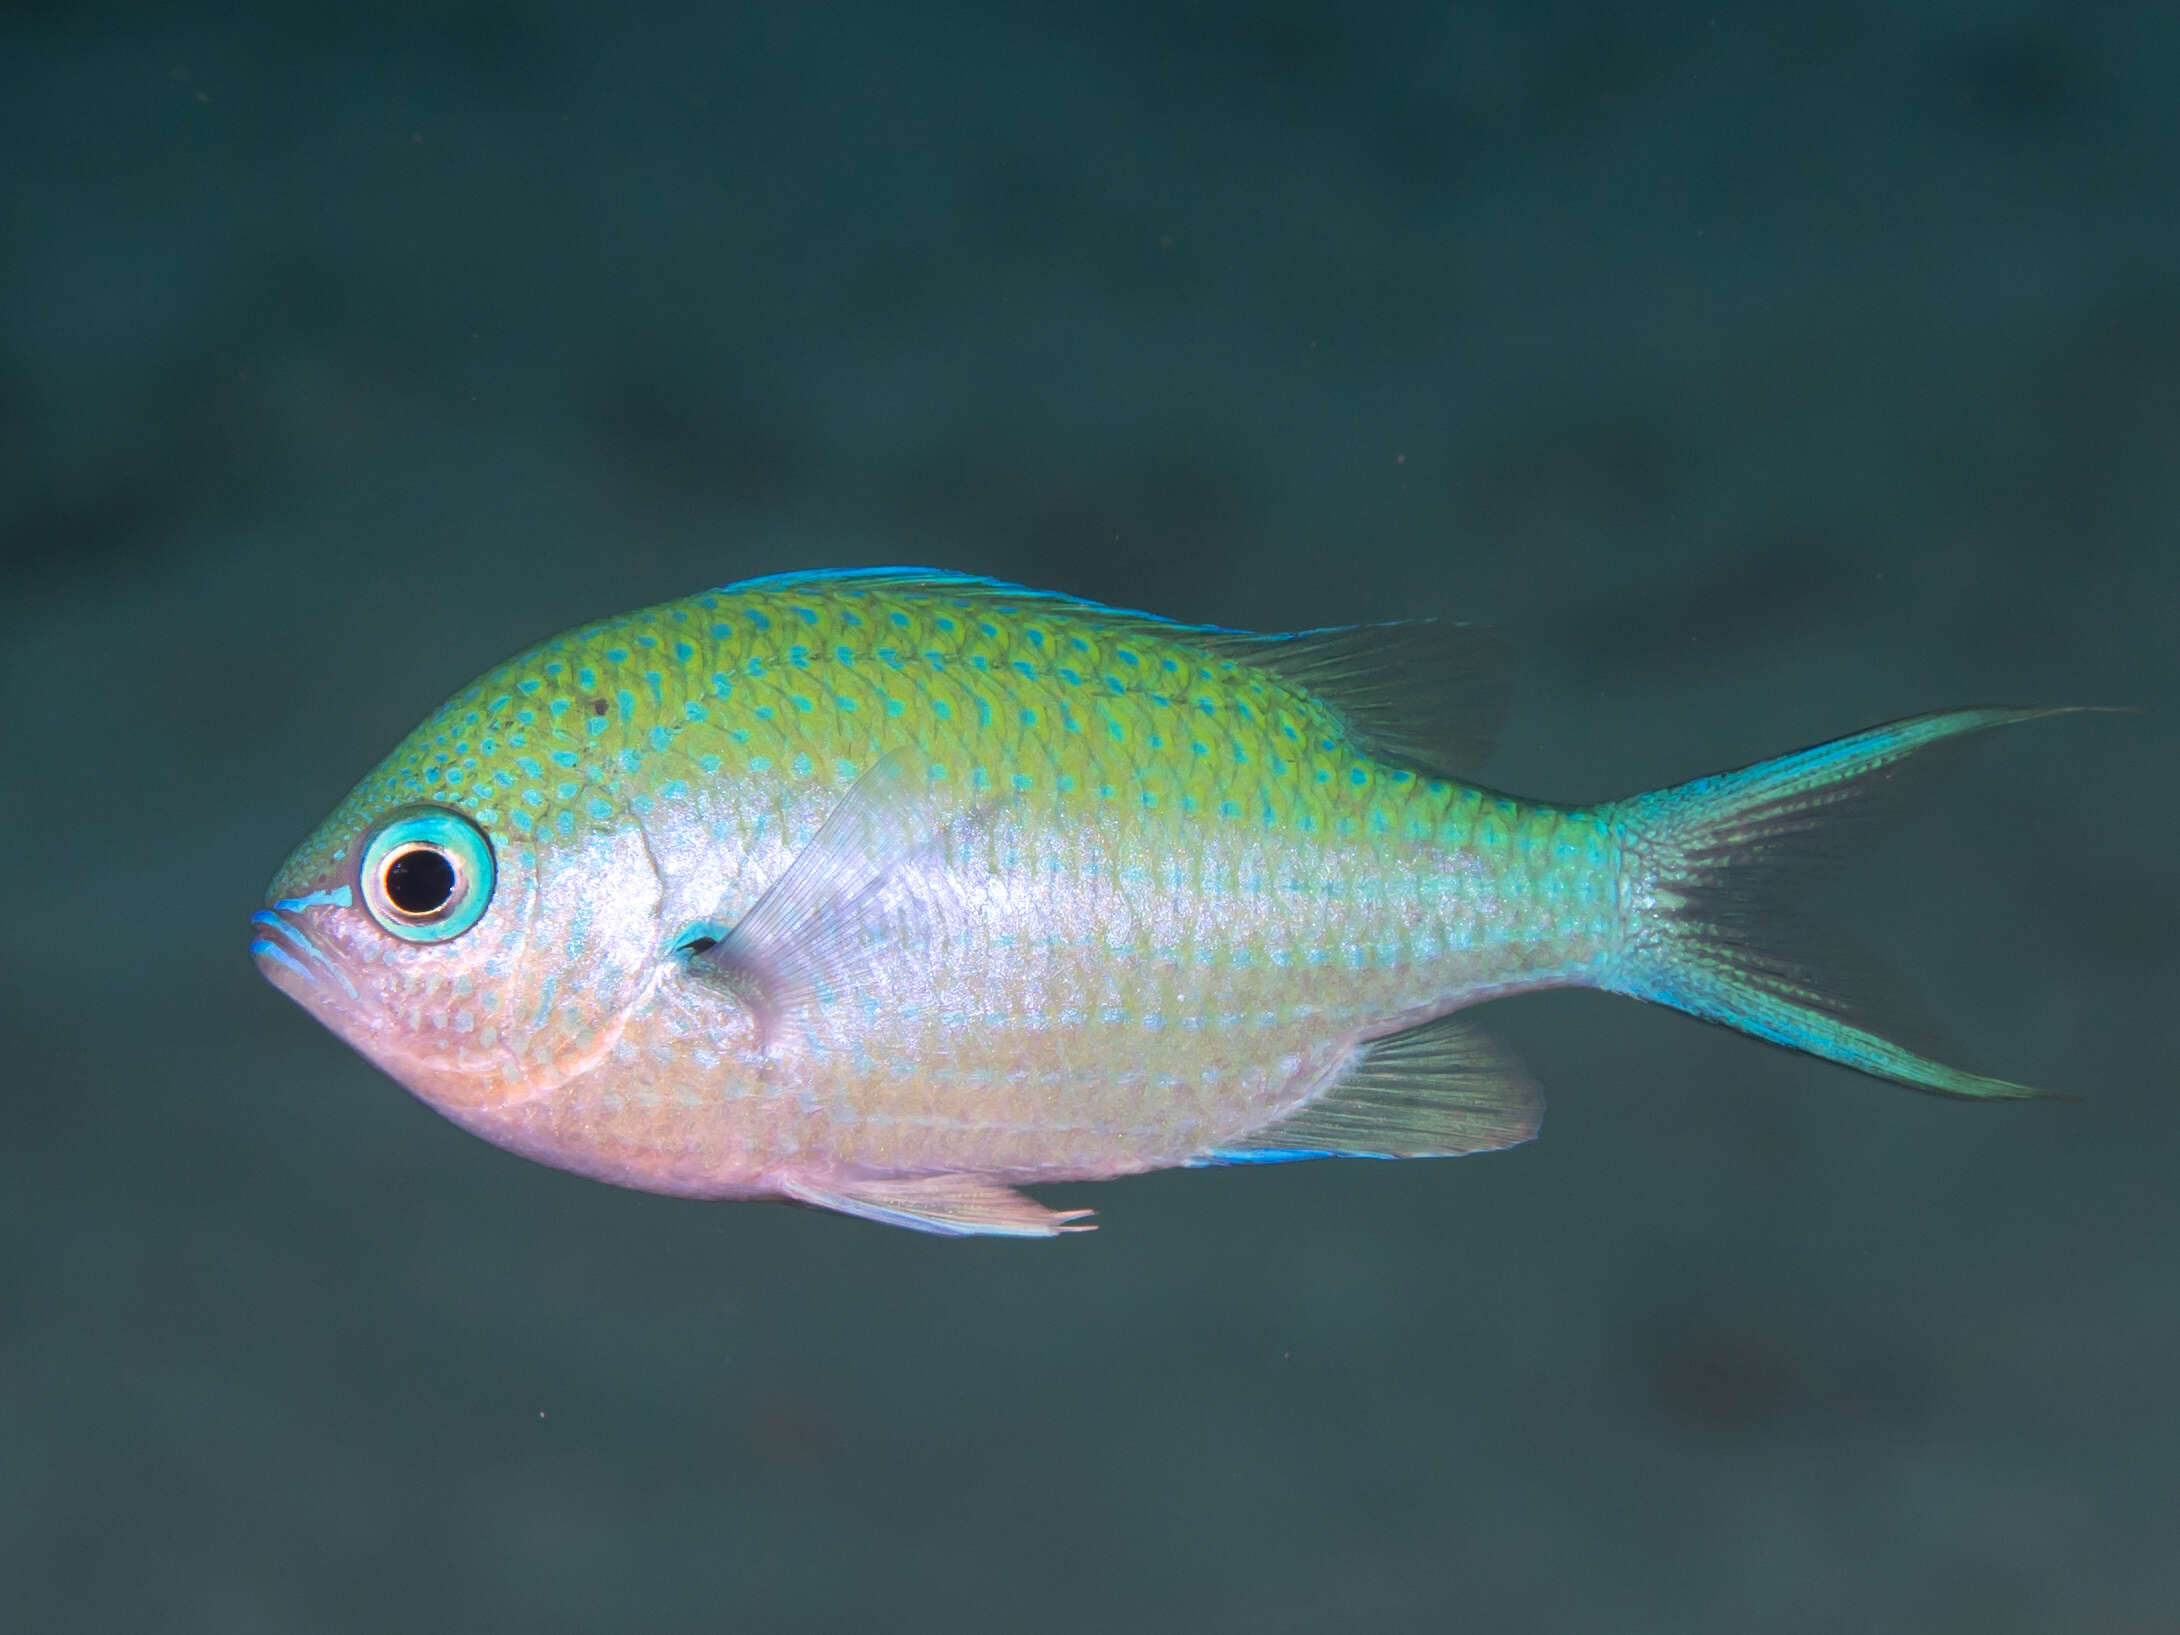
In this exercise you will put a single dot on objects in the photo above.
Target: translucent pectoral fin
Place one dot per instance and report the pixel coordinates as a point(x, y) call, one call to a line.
point(952, 1206)
point(862, 900)
point(1434, 1091)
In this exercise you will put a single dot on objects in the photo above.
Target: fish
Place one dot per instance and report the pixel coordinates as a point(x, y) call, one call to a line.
point(895, 891)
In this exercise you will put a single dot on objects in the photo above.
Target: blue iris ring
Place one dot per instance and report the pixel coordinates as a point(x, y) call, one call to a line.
point(426, 875)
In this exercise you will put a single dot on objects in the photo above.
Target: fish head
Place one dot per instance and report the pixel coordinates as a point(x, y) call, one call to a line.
point(479, 964)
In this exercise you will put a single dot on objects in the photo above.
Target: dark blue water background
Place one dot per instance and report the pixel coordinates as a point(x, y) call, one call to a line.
point(1768, 371)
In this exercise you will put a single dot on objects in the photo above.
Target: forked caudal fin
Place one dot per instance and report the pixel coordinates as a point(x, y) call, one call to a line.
point(1700, 862)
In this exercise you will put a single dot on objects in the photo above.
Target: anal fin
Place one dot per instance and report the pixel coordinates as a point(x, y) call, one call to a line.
point(952, 1206)
point(1433, 1091)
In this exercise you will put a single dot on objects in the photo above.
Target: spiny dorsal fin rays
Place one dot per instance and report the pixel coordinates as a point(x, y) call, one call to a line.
point(1425, 692)
point(950, 1206)
point(1434, 1091)
point(858, 891)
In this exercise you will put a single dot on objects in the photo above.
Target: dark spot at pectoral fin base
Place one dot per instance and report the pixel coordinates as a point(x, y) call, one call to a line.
point(1435, 1091)
point(952, 1206)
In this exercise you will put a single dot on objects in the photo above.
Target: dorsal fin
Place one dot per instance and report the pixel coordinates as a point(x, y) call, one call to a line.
point(1432, 1091)
point(1426, 692)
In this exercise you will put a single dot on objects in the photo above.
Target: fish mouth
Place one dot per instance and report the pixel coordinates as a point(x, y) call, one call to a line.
point(287, 957)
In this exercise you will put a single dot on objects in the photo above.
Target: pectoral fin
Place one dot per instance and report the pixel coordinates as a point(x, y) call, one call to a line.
point(852, 911)
point(951, 1206)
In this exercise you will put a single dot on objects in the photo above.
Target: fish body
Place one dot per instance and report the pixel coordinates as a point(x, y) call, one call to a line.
point(892, 891)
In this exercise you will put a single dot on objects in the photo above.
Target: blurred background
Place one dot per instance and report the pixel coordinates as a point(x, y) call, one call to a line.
point(1766, 372)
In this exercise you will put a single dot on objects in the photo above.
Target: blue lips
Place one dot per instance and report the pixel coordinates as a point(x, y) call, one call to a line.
point(267, 948)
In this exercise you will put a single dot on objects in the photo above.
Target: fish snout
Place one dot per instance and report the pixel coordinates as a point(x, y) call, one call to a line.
point(285, 954)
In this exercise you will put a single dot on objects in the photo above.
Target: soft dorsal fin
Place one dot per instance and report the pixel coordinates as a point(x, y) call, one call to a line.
point(867, 885)
point(1427, 692)
point(1433, 1091)
point(951, 1206)
point(1423, 691)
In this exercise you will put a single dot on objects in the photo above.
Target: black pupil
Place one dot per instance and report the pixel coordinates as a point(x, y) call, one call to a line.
point(420, 881)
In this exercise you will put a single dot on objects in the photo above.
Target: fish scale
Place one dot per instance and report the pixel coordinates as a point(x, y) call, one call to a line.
point(896, 886)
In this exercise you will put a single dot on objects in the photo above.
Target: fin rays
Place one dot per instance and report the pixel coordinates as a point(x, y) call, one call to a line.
point(1434, 1091)
point(1705, 855)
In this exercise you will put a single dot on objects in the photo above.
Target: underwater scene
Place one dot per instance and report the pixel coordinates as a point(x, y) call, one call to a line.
point(757, 754)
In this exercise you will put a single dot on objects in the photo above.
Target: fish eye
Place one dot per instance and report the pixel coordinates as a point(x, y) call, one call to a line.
point(427, 875)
